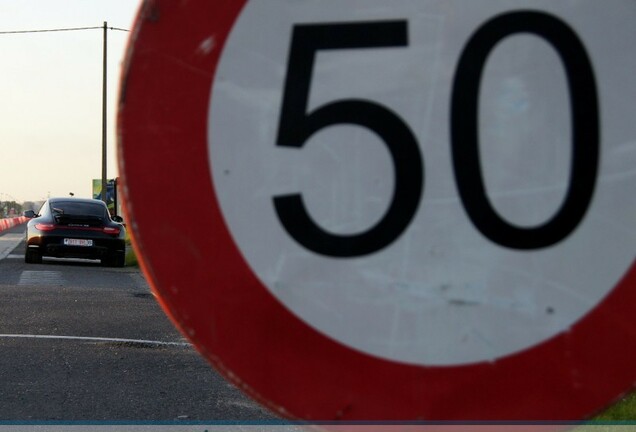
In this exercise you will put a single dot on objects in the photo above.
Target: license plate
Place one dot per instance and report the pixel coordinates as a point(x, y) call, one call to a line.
point(77, 242)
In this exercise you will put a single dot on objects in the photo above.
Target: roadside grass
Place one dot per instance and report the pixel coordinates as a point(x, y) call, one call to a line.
point(622, 411)
point(131, 257)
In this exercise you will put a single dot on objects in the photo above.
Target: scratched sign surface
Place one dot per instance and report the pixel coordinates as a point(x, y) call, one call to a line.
point(435, 194)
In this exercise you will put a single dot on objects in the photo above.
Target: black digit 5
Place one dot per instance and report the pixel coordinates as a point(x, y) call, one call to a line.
point(297, 126)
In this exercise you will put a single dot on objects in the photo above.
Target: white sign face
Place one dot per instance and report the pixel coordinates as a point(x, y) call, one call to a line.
point(399, 262)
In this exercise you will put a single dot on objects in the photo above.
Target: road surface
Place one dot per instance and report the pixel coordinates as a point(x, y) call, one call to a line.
point(81, 342)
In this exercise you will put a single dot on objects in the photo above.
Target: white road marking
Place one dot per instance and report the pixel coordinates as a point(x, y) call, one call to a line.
point(94, 339)
point(8, 242)
point(41, 277)
point(238, 403)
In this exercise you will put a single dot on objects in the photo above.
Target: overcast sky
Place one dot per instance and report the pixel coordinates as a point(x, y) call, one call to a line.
point(51, 94)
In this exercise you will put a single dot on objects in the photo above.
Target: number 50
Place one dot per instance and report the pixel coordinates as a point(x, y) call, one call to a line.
point(297, 126)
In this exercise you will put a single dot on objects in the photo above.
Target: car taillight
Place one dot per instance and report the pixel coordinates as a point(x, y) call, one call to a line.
point(111, 230)
point(44, 226)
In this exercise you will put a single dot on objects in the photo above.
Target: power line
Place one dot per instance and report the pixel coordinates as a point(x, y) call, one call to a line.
point(61, 30)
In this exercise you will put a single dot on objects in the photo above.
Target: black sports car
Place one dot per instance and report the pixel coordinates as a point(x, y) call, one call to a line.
point(75, 228)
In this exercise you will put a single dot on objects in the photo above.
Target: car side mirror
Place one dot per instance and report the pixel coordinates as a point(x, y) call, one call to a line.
point(118, 219)
point(30, 214)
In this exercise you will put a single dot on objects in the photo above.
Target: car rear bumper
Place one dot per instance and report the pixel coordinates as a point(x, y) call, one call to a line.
point(54, 247)
point(61, 251)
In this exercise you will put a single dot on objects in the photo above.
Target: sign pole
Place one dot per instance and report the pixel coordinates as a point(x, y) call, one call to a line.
point(104, 186)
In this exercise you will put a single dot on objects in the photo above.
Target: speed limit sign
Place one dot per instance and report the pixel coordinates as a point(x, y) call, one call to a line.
point(391, 210)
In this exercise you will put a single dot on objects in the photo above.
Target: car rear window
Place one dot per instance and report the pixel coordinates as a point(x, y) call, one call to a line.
point(78, 209)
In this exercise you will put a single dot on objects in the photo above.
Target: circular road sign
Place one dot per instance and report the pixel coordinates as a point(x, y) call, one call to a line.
point(367, 209)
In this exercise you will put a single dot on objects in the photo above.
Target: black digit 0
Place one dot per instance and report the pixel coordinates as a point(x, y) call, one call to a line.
point(585, 130)
point(297, 125)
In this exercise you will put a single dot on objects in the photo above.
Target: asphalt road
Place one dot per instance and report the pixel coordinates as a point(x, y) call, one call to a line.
point(80, 342)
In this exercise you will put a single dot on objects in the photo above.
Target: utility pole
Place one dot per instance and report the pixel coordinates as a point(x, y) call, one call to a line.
point(104, 180)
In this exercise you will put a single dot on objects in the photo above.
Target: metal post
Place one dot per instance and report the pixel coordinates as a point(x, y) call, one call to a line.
point(104, 179)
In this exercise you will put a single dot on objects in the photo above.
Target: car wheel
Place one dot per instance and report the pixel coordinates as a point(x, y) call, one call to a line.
point(119, 260)
point(32, 257)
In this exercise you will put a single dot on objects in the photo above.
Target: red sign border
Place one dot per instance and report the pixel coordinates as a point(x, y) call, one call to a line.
point(211, 294)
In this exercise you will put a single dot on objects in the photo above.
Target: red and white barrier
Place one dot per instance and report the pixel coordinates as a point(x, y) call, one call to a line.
point(11, 222)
